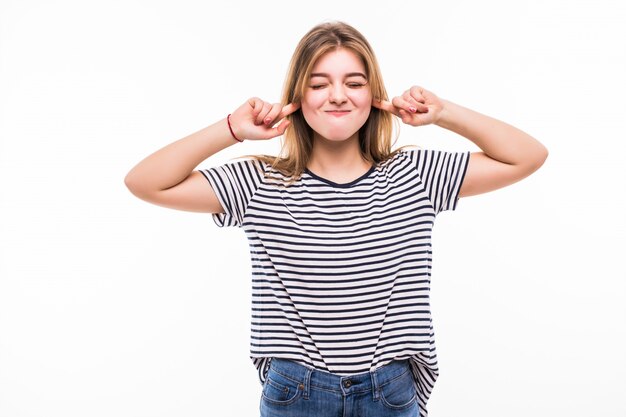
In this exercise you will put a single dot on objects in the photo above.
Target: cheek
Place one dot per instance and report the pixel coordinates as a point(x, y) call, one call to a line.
point(363, 104)
point(312, 101)
point(310, 105)
point(307, 112)
point(362, 99)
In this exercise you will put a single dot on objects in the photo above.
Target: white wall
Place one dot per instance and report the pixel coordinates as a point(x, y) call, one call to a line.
point(112, 306)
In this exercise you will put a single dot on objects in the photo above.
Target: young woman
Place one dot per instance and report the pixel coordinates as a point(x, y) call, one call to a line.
point(339, 225)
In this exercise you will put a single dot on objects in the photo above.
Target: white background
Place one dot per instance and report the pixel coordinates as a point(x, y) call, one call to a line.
point(110, 306)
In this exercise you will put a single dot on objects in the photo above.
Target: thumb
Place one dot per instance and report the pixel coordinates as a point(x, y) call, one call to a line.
point(281, 128)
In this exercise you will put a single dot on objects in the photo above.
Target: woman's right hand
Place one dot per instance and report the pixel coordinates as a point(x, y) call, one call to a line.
point(255, 119)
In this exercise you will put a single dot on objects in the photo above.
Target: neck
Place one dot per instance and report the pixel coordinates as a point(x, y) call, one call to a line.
point(337, 159)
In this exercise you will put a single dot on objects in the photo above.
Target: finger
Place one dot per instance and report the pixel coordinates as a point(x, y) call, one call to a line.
point(288, 109)
point(385, 105)
point(415, 106)
point(418, 93)
point(280, 129)
point(271, 116)
point(257, 105)
point(411, 98)
point(277, 130)
point(418, 100)
point(401, 103)
point(419, 106)
point(263, 113)
point(404, 115)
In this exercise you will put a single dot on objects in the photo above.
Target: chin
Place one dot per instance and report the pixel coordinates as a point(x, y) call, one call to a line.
point(337, 133)
point(336, 136)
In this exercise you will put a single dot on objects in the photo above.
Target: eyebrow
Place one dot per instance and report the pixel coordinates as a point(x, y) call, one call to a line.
point(350, 74)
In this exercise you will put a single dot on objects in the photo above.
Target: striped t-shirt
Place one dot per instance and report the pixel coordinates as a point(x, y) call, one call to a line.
point(341, 272)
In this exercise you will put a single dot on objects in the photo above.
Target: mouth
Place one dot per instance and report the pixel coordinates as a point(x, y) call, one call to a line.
point(338, 113)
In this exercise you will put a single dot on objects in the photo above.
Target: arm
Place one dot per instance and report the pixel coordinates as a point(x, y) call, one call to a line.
point(165, 177)
point(508, 154)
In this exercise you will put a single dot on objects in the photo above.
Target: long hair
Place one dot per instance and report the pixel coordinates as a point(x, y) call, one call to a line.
point(375, 136)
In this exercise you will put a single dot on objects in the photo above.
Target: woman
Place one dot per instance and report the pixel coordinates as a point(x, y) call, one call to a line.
point(339, 225)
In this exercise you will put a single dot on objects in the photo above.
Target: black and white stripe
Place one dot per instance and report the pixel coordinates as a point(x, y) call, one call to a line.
point(341, 272)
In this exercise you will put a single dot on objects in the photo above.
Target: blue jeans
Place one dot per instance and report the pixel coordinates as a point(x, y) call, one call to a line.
point(295, 390)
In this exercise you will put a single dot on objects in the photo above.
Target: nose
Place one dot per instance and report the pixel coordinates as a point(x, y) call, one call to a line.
point(338, 95)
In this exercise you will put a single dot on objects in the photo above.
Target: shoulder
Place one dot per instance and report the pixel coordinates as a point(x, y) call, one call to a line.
point(406, 152)
point(239, 171)
point(247, 160)
point(247, 164)
point(425, 155)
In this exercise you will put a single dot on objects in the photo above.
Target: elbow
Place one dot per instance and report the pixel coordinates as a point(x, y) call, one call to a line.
point(537, 159)
point(129, 182)
point(133, 185)
point(138, 187)
point(542, 155)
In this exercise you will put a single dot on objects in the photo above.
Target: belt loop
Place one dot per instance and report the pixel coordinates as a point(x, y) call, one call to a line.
point(307, 382)
point(375, 384)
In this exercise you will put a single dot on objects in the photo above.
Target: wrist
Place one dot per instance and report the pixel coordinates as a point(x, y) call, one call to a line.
point(233, 129)
point(444, 117)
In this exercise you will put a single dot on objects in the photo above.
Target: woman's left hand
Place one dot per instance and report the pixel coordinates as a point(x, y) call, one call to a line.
point(416, 107)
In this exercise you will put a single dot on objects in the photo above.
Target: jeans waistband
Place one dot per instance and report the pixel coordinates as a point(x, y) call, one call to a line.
point(311, 377)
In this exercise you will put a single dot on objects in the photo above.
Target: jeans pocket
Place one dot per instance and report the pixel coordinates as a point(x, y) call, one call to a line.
point(399, 393)
point(280, 389)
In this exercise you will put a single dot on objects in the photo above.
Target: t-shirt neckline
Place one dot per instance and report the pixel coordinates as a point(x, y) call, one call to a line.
point(345, 184)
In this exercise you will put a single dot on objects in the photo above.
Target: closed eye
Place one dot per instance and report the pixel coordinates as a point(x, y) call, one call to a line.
point(351, 85)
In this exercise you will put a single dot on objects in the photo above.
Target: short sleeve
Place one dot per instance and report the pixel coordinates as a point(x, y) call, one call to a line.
point(234, 184)
point(442, 174)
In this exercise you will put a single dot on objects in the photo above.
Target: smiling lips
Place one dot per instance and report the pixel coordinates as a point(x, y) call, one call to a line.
point(338, 113)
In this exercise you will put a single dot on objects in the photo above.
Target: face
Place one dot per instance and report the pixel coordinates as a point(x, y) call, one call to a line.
point(338, 83)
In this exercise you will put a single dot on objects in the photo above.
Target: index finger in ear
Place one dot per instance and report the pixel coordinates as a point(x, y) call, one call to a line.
point(288, 109)
point(385, 105)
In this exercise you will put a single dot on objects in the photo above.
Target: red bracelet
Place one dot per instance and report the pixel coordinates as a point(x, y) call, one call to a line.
point(231, 129)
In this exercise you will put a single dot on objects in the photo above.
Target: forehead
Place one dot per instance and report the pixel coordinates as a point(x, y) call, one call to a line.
point(339, 61)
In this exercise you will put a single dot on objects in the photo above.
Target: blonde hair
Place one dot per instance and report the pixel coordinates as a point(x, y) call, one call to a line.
point(375, 136)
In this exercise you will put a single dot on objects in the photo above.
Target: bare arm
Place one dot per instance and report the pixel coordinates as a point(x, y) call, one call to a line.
point(166, 177)
point(172, 165)
point(508, 154)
